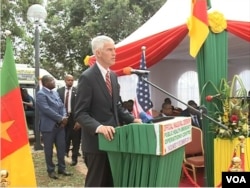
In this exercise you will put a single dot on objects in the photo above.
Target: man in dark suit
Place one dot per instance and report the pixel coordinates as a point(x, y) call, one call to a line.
point(29, 108)
point(190, 112)
point(99, 111)
point(166, 109)
point(52, 121)
point(72, 129)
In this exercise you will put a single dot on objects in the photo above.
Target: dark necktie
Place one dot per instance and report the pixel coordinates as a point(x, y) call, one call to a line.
point(66, 102)
point(108, 83)
point(196, 121)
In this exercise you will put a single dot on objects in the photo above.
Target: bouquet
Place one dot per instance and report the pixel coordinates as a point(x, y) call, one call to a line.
point(231, 108)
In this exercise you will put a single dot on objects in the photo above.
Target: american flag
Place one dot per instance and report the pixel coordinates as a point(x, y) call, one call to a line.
point(143, 102)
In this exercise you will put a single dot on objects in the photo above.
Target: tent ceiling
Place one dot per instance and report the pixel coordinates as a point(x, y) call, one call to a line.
point(238, 50)
point(176, 12)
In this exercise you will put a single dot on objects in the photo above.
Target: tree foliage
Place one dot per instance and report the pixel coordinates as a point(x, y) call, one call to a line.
point(14, 18)
point(70, 25)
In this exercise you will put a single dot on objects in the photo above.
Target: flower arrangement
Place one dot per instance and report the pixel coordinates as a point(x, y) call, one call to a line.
point(231, 108)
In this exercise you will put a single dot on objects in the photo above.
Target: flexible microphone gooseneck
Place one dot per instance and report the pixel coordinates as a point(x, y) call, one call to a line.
point(129, 70)
point(202, 112)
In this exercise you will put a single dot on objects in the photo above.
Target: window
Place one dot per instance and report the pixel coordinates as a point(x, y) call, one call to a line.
point(188, 88)
point(129, 85)
point(245, 77)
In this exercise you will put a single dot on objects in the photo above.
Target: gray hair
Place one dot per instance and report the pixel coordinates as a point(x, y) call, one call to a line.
point(99, 41)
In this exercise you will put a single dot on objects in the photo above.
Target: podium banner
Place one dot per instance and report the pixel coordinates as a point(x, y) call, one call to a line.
point(156, 139)
point(172, 134)
point(143, 155)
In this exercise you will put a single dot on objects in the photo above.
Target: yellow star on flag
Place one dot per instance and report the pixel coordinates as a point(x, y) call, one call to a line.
point(4, 128)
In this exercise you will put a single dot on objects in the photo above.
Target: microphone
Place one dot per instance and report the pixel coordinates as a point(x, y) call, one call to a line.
point(210, 97)
point(202, 111)
point(129, 70)
point(146, 118)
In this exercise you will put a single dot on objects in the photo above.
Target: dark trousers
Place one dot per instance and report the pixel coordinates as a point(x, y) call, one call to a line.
point(56, 137)
point(30, 119)
point(72, 136)
point(99, 172)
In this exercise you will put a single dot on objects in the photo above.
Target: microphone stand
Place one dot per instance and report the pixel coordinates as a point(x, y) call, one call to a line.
point(201, 112)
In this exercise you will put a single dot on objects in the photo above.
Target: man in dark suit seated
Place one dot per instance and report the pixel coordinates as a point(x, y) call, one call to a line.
point(176, 110)
point(166, 110)
point(190, 112)
point(29, 108)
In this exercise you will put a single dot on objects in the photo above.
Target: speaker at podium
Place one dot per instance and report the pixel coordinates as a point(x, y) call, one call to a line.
point(149, 154)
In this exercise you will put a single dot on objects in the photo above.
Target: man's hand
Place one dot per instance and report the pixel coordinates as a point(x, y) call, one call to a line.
point(107, 131)
point(77, 126)
point(64, 121)
point(137, 120)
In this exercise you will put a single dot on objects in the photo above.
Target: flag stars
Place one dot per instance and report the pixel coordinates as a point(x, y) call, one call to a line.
point(143, 95)
point(4, 127)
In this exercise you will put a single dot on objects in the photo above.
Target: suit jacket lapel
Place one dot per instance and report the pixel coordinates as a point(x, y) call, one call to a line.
point(73, 95)
point(62, 94)
point(114, 85)
point(101, 82)
point(112, 79)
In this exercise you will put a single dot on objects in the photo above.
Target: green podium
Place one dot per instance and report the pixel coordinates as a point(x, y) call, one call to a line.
point(148, 155)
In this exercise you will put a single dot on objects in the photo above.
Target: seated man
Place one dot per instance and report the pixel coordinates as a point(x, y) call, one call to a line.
point(166, 110)
point(190, 112)
point(29, 108)
point(130, 106)
point(176, 110)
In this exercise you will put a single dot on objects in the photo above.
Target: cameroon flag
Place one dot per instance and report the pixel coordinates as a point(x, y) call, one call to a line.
point(17, 168)
point(198, 25)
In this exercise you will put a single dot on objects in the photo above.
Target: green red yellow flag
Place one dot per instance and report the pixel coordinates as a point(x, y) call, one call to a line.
point(198, 26)
point(17, 168)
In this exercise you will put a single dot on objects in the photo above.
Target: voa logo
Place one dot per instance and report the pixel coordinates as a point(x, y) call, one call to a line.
point(236, 179)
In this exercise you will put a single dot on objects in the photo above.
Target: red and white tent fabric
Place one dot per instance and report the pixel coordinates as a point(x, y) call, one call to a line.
point(167, 28)
point(165, 36)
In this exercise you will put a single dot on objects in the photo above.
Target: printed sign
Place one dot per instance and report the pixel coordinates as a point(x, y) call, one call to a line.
point(27, 75)
point(172, 134)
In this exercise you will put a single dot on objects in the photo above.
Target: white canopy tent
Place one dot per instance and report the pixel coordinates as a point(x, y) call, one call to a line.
point(167, 67)
point(175, 13)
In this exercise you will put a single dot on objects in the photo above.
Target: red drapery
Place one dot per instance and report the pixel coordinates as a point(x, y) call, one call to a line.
point(240, 29)
point(159, 45)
